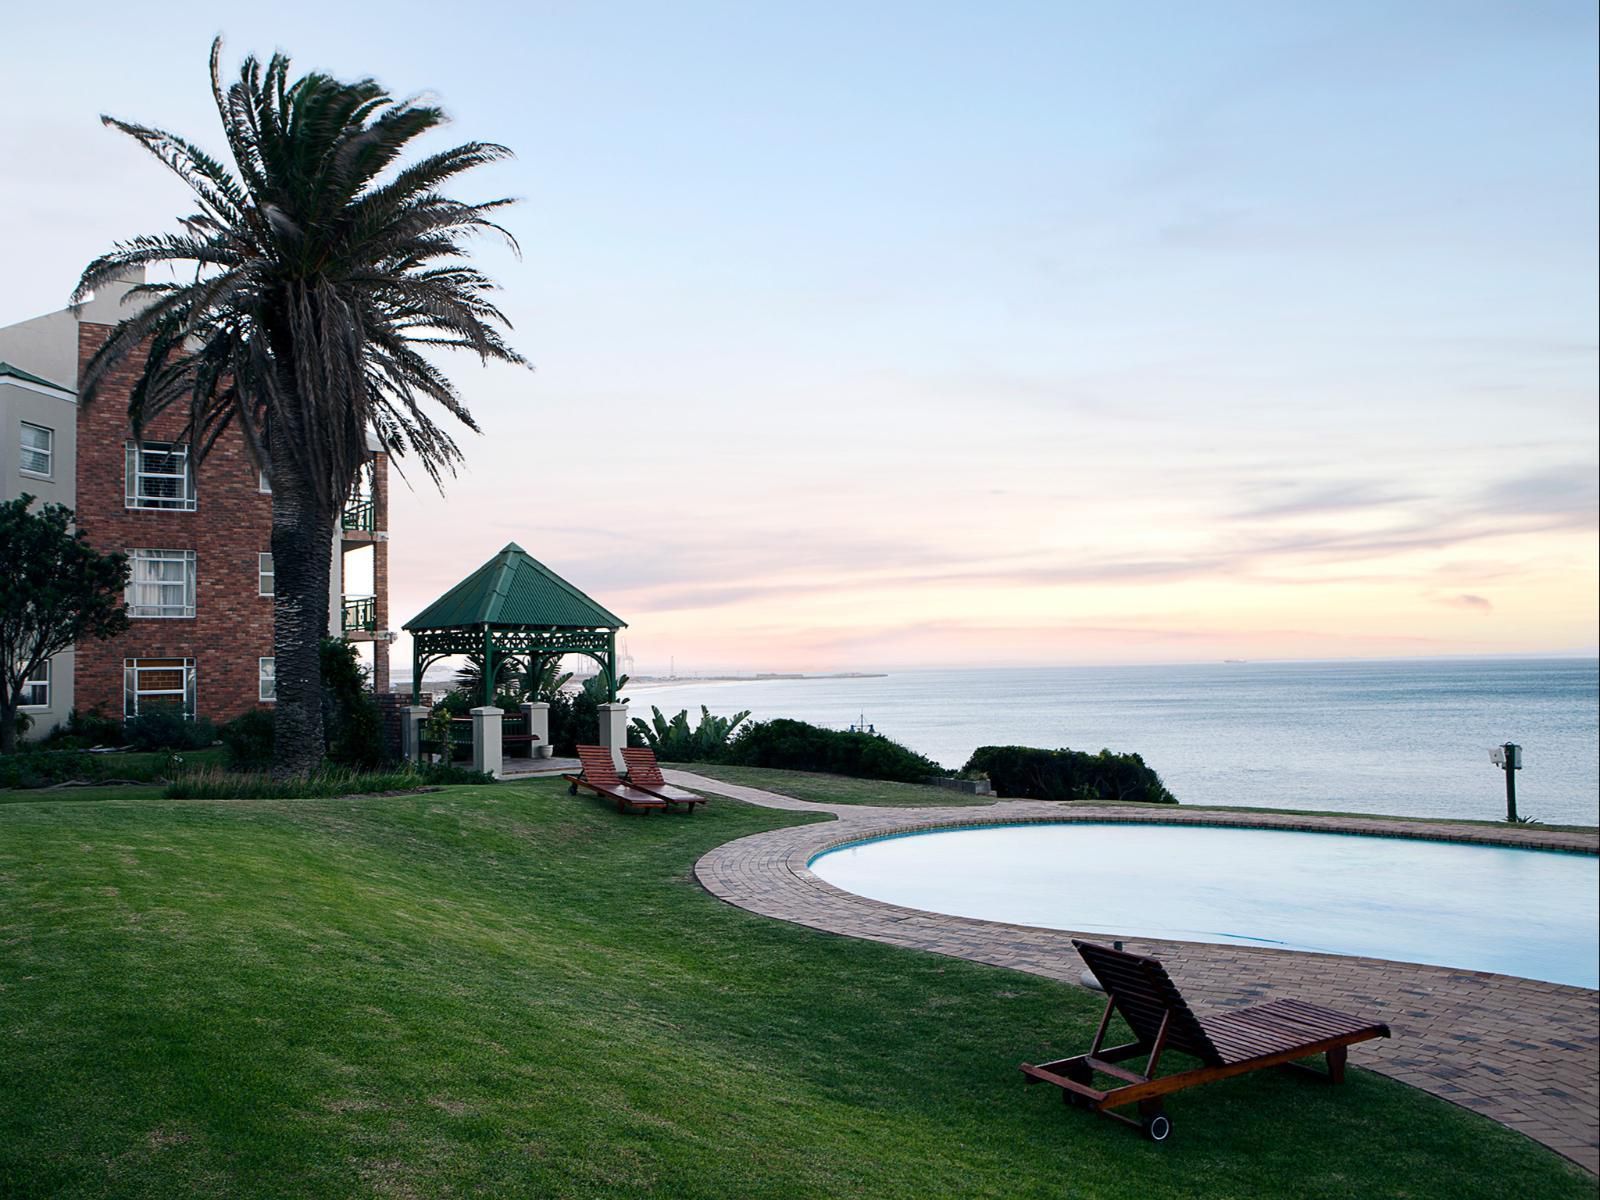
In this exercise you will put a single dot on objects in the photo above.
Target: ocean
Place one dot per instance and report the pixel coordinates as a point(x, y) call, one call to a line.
point(1405, 737)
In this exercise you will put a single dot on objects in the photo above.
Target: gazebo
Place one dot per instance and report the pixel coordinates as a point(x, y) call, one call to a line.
point(514, 607)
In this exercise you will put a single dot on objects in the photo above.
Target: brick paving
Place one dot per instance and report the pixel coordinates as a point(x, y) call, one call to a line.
point(1522, 1052)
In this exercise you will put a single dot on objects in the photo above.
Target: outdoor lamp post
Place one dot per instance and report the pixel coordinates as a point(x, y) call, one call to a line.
point(1509, 759)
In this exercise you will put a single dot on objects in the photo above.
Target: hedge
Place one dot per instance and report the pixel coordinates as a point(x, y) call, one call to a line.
point(1027, 772)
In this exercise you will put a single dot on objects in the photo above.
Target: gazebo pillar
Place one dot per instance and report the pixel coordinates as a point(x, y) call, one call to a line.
point(537, 713)
point(614, 732)
point(487, 745)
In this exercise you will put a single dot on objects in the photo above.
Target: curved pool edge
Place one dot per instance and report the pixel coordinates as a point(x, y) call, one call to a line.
point(1454, 1029)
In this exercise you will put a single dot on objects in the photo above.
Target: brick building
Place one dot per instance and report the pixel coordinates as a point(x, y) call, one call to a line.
point(199, 540)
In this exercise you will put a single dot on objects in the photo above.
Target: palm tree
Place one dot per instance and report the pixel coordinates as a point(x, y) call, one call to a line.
point(313, 285)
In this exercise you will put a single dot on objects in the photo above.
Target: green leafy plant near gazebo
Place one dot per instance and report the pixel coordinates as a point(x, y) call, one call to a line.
point(674, 740)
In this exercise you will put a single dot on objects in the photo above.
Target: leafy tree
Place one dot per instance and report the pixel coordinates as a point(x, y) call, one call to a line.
point(55, 590)
point(309, 290)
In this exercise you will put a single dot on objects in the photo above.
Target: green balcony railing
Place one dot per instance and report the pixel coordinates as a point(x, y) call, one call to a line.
point(360, 514)
point(361, 613)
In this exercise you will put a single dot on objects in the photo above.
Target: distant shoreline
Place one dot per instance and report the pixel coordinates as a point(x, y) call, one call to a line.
point(447, 682)
point(768, 677)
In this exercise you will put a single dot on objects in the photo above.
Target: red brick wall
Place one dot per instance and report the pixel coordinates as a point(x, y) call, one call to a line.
point(230, 526)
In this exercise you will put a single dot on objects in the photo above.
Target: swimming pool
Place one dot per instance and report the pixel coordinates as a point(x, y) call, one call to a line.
point(1531, 913)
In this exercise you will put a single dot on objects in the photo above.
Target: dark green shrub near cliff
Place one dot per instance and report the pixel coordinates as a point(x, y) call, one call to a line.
point(798, 746)
point(1026, 772)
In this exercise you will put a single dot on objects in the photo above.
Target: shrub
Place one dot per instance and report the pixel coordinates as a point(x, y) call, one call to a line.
point(797, 746)
point(575, 716)
point(168, 729)
point(352, 725)
point(674, 741)
point(85, 730)
point(248, 739)
point(1030, 773)
point(41, 768)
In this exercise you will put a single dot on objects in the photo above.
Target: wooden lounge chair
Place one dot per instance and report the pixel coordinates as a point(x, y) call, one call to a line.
point(644, 773)
point(1230, 1043)
point(600, 777)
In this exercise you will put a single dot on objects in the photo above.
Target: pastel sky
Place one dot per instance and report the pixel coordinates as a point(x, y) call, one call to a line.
point(966, 334)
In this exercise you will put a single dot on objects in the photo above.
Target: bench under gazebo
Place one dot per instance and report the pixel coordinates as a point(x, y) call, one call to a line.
point(514, 608)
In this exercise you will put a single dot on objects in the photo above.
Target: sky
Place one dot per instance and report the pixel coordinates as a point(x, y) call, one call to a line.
point(895, 335)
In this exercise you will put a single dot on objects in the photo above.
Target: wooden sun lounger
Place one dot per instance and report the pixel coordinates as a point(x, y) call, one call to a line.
point(644, 773)
point(600, 777)
point(1230, 1043)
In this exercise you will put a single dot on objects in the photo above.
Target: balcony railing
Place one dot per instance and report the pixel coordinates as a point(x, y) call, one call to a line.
point(360, 515)
point(361, 613)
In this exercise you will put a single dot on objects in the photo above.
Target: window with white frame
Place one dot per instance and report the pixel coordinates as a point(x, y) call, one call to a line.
point(162, 583)
point(267, 679)
point(159, 476)
point(36, 688)
point(263, 484)
point(38, 450)
point(266, 579)
point(157, 684)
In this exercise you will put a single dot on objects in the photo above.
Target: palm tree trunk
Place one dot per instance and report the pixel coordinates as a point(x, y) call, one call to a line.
point(302, 555)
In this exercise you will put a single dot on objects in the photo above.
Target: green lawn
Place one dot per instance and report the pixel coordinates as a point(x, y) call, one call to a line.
point(503, 991)
point(834, 789)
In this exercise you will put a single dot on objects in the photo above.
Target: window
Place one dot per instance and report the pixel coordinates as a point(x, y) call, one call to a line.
point(38, 450)
point(152, 684)
point(162, 583)
point(159, 476)
point(267, 679)
point(263, 484)
point(265, 579)
point(36, 689)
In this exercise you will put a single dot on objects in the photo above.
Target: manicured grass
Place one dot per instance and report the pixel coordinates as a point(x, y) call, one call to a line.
point(834, 789)
point(98, 791)
point(502, 991)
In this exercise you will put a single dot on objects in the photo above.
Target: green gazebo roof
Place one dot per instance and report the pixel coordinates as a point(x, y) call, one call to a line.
point(514, 590)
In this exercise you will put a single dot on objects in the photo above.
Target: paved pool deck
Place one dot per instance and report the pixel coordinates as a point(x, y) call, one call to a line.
point(1522, 1052)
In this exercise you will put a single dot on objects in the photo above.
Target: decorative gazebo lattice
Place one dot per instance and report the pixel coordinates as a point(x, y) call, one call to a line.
point(514, 607)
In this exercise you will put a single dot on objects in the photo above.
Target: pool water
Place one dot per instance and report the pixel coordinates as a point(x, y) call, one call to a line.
point(1532, 913)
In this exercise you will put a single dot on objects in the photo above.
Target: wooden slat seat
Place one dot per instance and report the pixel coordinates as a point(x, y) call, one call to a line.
point(1138, 988)
point(600, 777)
point(644, 773)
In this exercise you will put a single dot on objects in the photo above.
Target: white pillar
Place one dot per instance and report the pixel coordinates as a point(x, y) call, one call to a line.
point(538, 714)
point(486, 744)
point(336, 579)
point(411, 718)
point(614, 732)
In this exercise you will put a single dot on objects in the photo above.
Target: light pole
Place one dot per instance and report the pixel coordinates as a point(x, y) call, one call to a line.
point(1509, 759)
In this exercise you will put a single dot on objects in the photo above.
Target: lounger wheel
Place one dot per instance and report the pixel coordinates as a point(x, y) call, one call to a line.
point(572, 789)
point(1157, 1127)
